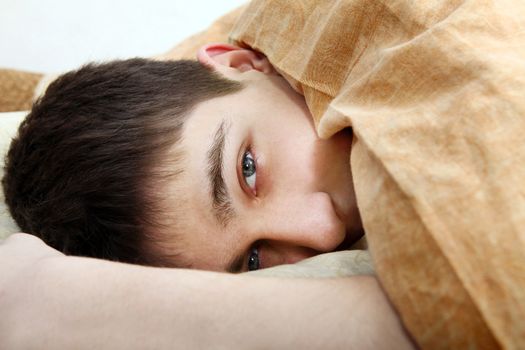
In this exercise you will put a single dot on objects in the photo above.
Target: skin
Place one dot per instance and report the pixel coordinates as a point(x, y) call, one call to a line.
point(298, 203)
point(52, 301)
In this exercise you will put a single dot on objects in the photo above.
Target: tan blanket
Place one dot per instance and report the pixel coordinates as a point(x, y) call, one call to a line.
point(435, 93)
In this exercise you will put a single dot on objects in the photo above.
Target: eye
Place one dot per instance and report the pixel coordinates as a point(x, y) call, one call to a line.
point(249, 171)
point(253, 259)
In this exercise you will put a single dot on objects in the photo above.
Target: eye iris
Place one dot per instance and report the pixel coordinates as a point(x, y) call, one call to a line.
point(248, 165)
point(253, 260)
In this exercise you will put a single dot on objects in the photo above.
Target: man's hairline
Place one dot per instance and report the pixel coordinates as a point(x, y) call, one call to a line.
point(165, 210)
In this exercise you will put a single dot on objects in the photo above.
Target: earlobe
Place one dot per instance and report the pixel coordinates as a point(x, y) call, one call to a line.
point(220, 56)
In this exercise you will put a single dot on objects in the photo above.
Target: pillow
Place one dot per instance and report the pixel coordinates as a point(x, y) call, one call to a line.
point(434, 92)
point(337, 264)
point(9, 122)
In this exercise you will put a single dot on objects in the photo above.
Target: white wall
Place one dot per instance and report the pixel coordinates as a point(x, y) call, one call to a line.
point(57, 35)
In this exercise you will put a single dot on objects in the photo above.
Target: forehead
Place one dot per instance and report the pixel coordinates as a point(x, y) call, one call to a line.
point(192, 230)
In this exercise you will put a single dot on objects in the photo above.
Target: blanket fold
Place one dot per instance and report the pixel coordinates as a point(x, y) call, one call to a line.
point(434, 92)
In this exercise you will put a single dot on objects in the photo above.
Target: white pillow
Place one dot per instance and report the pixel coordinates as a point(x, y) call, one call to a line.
point(9, 122)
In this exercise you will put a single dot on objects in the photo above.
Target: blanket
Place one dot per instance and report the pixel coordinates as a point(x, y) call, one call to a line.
point(17, 89)
point(435, 94)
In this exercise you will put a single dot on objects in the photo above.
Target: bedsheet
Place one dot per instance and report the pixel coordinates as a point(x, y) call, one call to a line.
point(435, 94)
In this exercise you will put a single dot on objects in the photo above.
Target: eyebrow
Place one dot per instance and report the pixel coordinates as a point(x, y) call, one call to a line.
point(221, 200)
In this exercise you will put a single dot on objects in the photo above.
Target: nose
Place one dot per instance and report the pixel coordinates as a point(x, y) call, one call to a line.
point(302, 226)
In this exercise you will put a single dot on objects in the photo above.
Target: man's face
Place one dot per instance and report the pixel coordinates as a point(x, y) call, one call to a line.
point(259, 188)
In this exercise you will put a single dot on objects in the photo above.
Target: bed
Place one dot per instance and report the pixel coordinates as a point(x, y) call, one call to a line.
point(434, 94)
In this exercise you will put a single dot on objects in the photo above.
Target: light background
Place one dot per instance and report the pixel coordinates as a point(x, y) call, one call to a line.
point(56, 35)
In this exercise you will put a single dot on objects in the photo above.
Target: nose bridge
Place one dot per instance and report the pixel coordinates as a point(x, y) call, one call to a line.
point(307, 220)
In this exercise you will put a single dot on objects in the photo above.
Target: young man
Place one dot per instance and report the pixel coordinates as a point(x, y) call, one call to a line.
point(213, 166)
point(253, 187)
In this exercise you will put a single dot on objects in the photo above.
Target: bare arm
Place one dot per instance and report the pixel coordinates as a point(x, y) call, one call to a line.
point(66, 302)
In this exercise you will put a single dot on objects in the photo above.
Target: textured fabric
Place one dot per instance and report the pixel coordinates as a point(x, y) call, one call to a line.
point(435, 93)
point(16, 89)
point(338, 264)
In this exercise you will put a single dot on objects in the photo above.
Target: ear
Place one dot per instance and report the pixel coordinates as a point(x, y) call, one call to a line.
point(225, 56)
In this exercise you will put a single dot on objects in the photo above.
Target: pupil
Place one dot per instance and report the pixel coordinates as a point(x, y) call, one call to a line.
point(248, 166)
point(253, 261)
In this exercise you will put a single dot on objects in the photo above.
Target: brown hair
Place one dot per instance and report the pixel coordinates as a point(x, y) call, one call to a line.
point(77, 174)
